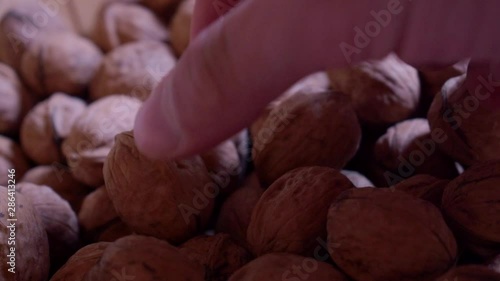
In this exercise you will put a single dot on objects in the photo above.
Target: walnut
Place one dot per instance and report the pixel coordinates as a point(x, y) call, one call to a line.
point(471, 273)
point(47, 125)
point(218, 254)
point(332, 141)
point(161, 7)
point(382, 92)
point(434, 79)
point(114, 232)
point(120, 23)
point(223, 164)
point(424, 187)
point(11, 157)
point(470, 202)
point(180, 28)
point(15, 101)
point(60, 62)
point(92, 136)
point(184, 192)
point(32, 248)
point(357, 179)
point(301, 197)
point(372, 232)
point(132, 69)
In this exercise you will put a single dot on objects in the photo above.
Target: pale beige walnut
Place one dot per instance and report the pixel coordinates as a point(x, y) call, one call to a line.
point(424, 187)
point(180, 27)
point(410, 148)
point(60, 179)
point(471, 273)
point(163, 8)
point(120, 22)
point(219, 255)
point(358, 179)
point(93, 134)
point(282, 266)
point(11, 157)
point(387, 235)
point(301, 198)
point(183, 192)
point(382, 92)
point(468, 119)
point(80, 263)
point(132, 69)
point(22, 25)
point(223, 164)
point(32, 248)
point(58, 219)
point(60, 62)
point(47, 125)
point(470, 202)
point(16, 101)
point(146, 259)
point(236, 211)
point(307, 129)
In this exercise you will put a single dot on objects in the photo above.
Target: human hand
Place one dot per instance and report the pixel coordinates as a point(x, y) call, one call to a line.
point(242, 61)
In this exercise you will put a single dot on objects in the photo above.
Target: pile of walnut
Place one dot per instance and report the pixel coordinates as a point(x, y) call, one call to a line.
point(379, 172)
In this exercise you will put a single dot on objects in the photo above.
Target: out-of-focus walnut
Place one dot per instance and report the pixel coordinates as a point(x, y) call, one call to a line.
point(382, 92)
point(11, 157)
point(471, 273)
point(60, 62)
point(164, 8)
point(47, 125)
point(180, 28)
point(93, 134)
point(132, 69)
point(357, 179)
point(122, 22)
point(424, 187)
point(114, 232)
point(434, 79)
point(223, 164)
point(15, 101)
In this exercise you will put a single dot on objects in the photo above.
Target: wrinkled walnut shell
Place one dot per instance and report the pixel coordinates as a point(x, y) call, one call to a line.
point(11, 157)
point(223, 164)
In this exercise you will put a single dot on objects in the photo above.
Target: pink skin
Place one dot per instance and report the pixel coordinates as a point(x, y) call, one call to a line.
point(240, 62)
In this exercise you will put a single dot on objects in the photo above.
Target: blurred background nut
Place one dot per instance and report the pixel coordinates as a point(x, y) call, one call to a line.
point(16, 101)
point(471, 273)
point(145, 259)
point(164, 8)
point(466, 118)
point(22, 25)
point(32, 248)
point(382, 92)
point(470, 203)
point(223, 164)
point(93, 134)
point(424, 187)
point(384, 235)
point(409, 148)
point(132, 69)
point(286, 139)
point(80, 263)
point(60, 179)
point(434, 79)
point(58, 219)
point(119, 23)
point(218, 254)
point(60, 62)
point(116, 230)
point(281, 266)
point(357, 179)
point(180, 27)
point(183, 191)
point(47, 125)
point(11, 157)
point(301, 197)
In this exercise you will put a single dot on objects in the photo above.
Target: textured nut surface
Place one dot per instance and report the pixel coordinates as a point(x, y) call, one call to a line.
point(462, 116)
point(11, 157)
point(47, 125)
point(132, 69)
point(281, 266)
point(223, 164)
point(471, 273)
point(60, 179)
point(218, 254)
point(408, 148)
point(32, 247)
point(146, 259)
point(60, 62)
point(119, 23)
point(287, 140)
point(358, 179)
point(93, 134)
point(382, 92)
point(470, 202)
point(180, 28)
point(80, 263)
point(291, 214)
point(183, 200)
point(424, 187)
point(58, 219)
point(384, 235)
point(15, 100)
